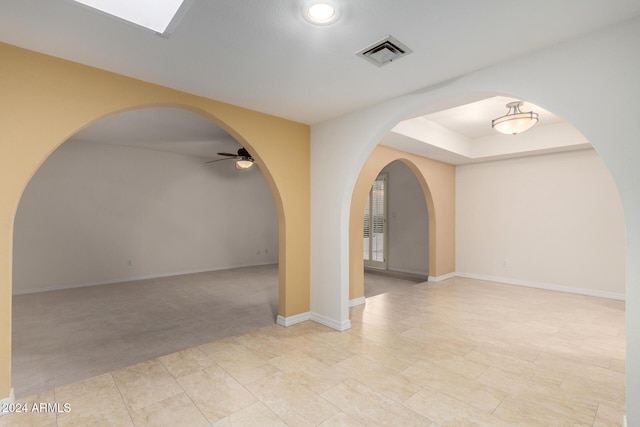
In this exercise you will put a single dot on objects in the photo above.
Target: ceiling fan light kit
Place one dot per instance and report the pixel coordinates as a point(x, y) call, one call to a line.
point(243, 164)
point(244, 160)
point(515, 121)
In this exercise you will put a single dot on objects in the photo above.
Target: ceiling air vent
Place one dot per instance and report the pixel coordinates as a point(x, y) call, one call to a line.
point(384, 51)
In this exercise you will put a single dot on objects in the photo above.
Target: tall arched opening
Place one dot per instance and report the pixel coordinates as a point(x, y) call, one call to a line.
point(132, 204)
point(62, 98)
point(439, 204)
point(562, 79)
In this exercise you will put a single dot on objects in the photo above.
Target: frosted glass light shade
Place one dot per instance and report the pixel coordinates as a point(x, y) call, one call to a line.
point(243, 164)
point(515, 121)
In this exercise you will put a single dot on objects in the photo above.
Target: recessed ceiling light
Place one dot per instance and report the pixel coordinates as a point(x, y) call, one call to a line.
point(155, 15)
point(321, 13)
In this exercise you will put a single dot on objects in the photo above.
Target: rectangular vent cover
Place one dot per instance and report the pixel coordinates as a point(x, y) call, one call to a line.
point(384, 51)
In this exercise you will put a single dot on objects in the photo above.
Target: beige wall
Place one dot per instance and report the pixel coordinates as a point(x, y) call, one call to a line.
point(552, 221)
point(438, 183)
point(45, 100)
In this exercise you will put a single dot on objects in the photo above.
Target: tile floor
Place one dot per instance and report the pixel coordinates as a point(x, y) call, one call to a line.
point(457, 353)
point(64, 336)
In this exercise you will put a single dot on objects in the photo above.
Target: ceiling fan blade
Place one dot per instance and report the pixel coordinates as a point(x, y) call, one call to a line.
point(227, 154)
point(218, 160)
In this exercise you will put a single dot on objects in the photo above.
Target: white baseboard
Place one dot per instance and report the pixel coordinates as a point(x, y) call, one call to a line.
point(292, 320)
point(547, 286)
point(134, 278)
point(441, 278)
point(333, 324)
point(6, 402)
point(409, 271)
point(357, 301)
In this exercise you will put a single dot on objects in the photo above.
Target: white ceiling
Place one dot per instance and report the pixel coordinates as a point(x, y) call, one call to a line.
point(458, 136)
point(464, 134)
point(164, 129)
point(474, 120)
point(265, 56)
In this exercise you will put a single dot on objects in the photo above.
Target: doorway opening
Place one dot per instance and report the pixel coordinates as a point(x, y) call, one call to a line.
point(395, 183)
point(143, 248)
point(402, 234)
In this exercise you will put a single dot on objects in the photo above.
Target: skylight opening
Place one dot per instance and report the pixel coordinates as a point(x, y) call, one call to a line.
point(155, 15)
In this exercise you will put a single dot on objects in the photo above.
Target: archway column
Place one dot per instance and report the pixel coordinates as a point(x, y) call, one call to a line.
point(47, 100)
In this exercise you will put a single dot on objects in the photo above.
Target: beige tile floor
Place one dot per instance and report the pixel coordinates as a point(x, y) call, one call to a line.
point(64, 336)
point(458, 353)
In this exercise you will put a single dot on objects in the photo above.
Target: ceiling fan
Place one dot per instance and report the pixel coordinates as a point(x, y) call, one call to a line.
point(244, 160)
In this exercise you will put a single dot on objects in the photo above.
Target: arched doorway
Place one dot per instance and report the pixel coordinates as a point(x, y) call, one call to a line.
point(368, 137)
point(440, 213)
point(130, 202)
point(65, 97)
point(396, 242)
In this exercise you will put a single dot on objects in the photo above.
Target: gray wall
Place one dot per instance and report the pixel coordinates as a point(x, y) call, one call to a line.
point(99, 213)
point(408, 221)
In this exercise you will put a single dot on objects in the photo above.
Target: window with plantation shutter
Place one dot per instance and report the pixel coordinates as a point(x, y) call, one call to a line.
point(375, 224)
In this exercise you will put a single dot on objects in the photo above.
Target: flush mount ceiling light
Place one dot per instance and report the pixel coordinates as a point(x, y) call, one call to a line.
point(515, 121)
point(320, 13)
point(155, 15)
